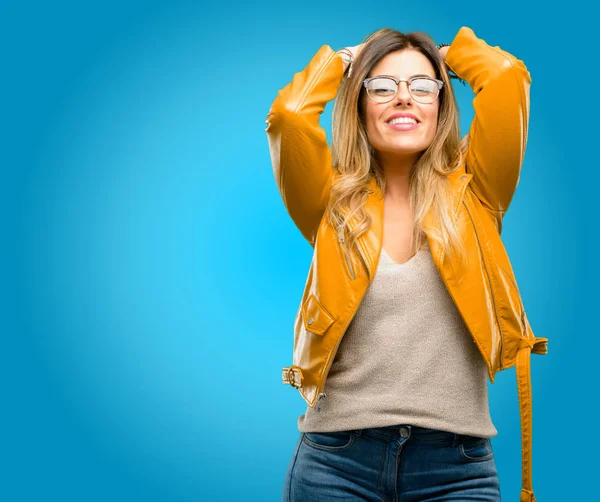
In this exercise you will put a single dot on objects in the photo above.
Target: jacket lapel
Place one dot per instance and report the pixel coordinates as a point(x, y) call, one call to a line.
point(371, 242)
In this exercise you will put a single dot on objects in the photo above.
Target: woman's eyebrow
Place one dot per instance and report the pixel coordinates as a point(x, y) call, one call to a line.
point(417, 75)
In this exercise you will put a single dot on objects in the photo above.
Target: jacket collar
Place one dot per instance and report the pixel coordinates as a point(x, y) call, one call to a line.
point(371, 242)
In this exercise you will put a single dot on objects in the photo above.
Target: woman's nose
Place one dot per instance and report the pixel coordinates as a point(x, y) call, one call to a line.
point(403, 95)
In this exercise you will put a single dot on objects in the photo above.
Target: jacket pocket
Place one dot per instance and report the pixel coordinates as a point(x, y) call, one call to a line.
point(315, 317)
point(476, 449)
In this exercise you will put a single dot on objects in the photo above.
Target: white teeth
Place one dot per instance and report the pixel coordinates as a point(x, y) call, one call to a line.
point(402, 120)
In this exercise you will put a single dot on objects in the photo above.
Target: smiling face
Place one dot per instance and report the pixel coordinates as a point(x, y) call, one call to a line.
point(401, 141)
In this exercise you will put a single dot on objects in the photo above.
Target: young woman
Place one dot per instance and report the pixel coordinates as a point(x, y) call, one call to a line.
point(410, 300)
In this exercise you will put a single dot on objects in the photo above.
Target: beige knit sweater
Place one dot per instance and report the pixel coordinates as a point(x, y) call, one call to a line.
point(406, 358)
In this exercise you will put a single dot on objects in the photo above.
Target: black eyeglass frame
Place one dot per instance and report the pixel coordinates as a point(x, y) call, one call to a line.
point(440, 84)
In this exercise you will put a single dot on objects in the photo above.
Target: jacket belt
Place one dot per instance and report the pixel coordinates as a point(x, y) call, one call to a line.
point(526, 347)
point(292, 375)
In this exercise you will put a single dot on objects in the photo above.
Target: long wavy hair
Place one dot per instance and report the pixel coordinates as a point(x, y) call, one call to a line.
point(355, 159)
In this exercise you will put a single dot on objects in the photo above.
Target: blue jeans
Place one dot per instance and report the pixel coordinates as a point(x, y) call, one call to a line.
point(401, 463)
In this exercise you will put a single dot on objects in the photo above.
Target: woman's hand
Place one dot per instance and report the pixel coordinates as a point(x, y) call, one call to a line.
point(353, 50)
point(444, 51)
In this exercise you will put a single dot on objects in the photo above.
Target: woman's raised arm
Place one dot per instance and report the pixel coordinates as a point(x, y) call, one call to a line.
point(298, 146)
point(498, 133)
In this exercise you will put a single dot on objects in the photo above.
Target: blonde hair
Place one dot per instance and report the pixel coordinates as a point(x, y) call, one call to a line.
point(354, 157)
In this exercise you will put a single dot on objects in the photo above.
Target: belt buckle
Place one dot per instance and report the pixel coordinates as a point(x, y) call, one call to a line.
point(290, 376)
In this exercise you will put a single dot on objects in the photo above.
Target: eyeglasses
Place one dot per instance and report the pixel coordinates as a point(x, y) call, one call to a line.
point(384, 88)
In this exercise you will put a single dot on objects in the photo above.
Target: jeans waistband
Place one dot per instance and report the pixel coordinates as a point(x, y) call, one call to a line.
point(415, 433)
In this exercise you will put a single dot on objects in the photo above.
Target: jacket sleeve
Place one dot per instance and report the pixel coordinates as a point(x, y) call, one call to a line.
point(298, 146)
point(498, 133)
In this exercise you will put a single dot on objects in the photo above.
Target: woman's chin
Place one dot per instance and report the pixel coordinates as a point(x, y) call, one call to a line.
point(403, 150)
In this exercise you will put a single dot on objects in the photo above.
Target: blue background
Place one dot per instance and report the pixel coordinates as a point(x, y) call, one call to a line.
point(152, 274)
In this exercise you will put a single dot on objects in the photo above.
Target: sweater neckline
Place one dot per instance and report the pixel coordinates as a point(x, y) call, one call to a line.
point(411, 259)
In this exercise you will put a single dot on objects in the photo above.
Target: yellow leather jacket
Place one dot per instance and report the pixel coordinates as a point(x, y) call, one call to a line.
point(485, 290)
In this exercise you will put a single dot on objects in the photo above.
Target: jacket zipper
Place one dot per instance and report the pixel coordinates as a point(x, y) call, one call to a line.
point(322, 395)
point(348, 259)
point(491, 287)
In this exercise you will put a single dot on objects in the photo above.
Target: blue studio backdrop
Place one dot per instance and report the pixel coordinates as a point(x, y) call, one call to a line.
point(152, 273)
